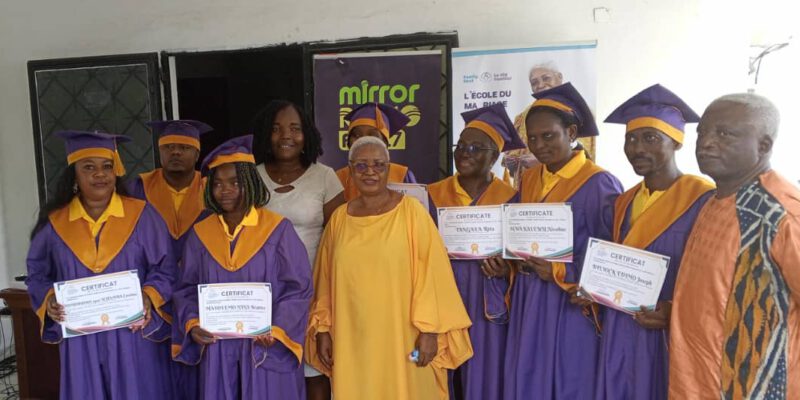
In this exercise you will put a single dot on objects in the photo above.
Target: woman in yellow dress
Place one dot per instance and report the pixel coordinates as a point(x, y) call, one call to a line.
point(384, 293)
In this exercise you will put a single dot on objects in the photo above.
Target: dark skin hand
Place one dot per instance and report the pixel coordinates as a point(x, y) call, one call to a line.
point(56, 312)
point(325, 349)
point(655, 319)
point(265, 340)
point(428, 347)
point(148, 314)
point(495, 267)
point(576, 298)
point(541, 267)
point(202, 336)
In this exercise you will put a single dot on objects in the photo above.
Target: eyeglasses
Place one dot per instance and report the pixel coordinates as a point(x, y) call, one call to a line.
point(470, 149)
point(378, 167)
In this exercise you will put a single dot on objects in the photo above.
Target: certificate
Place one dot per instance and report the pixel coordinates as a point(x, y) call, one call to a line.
point(415, 190)
point(235, 310)
point(471, 232)
point(537, 229)
point(622, 277)
point(100, 303)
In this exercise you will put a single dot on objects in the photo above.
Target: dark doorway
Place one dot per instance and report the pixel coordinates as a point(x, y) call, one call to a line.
point(227, 88)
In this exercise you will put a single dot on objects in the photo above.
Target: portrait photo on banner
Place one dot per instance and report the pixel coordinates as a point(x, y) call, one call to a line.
point(511, 75)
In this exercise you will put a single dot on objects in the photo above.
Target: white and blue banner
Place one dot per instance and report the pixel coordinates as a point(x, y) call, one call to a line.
point(484, 76)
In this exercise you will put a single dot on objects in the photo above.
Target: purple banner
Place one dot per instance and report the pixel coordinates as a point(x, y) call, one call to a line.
point(410, 81)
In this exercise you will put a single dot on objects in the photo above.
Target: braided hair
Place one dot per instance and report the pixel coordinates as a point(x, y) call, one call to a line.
point(253, 190)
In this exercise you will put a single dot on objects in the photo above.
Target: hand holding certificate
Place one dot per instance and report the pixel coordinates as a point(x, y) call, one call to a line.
point(235, 310)
point(621, 277)
point(471, 232)
point(100, 303)
point(541, 230)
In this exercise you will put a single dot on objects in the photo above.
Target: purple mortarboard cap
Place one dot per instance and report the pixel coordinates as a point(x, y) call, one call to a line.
point(238, 149)
point(494, 122)
point(565, 98)
point(655, 107)
point(383, 117)
point(84, 144)
point(180, 131)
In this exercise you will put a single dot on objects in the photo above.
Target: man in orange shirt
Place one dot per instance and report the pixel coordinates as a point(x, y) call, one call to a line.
point(735, 329)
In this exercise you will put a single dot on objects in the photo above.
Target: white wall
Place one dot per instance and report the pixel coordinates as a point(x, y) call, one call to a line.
point(698, 48)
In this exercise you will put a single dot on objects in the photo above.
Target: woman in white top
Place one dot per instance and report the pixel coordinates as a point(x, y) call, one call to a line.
point(287, 145)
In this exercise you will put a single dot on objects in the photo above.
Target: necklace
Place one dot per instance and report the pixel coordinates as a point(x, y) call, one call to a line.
point(281, 175)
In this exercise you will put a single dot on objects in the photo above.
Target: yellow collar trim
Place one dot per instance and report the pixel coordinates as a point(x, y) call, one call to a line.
point(250, 219)
point(571, 168)
point(463, 197)
point(114, 209)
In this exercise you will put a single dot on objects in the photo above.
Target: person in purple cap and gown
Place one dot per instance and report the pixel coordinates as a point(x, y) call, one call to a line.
point(92, 228)
point(377, 120)
point(244, 242)
point(176, 191)
point(552, 345)
point(481, 283)
point(655, 215)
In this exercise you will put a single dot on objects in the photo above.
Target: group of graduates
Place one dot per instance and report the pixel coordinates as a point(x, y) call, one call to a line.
point(366, 303)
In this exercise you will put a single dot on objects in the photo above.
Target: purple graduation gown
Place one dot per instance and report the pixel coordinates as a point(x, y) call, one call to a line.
point(117, 364)
point(184, 377)
point(634, 361)
point(136, 190)
point(552, 347)
point(240, 368)
point(480, 377)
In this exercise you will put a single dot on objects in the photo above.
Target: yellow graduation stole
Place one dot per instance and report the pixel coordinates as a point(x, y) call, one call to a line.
point(564, 189)
point(532, 193)
point(251, 239)
point(443, 193)
point(112, 238)
point(157, 191)
point(662, 214)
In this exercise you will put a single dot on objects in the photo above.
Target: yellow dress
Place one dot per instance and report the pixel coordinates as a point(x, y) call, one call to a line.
point(380, 281)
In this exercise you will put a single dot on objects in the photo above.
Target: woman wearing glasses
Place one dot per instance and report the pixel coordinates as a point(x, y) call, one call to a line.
point(380, 121)
point(552, 345)
point(384, 294)
point(488, 132)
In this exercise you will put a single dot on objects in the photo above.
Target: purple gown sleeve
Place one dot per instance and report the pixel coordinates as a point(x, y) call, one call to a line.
point(291, 300)
point(135, 188)
point(187, 314)
point(41, 276)
point(160, 272)
point(494, 292)
point(409, 178)
point(598, 204)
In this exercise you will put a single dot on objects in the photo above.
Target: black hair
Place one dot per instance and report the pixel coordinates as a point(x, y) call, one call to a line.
point(566, 118)
point(261, 128)
point(64, 192)
point(254, 191)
